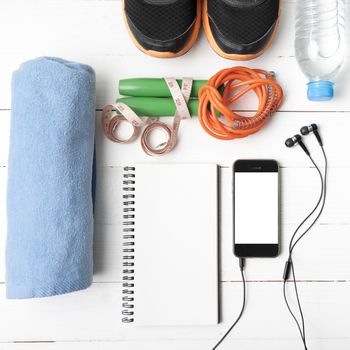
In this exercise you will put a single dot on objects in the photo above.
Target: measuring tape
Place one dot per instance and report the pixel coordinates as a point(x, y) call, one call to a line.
point(215, 110)
point(111, 121)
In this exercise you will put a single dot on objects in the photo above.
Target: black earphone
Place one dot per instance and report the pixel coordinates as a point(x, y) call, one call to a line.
point(297, 139)
point(305, 130)
point(295, 239)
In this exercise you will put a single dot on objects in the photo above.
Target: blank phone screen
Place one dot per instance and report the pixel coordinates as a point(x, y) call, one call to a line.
point(256, 208)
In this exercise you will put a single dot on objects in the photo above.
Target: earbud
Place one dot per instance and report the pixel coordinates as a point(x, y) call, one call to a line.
point(294, 140)
point(305, 130)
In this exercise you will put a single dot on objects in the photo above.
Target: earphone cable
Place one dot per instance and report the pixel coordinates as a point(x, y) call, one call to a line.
point(241, 265)
point(301, 331)
point(292, 246)
point(299, 305)
point(323, 195)
point(302, 327)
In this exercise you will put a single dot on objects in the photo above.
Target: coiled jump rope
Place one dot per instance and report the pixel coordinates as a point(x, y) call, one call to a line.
point(216, 98)
point(237, 82)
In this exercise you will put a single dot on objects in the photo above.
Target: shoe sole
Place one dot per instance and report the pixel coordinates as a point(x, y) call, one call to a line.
point(158, 54)
point(236, 57)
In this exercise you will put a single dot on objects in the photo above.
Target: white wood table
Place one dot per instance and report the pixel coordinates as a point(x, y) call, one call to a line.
point(92, 32)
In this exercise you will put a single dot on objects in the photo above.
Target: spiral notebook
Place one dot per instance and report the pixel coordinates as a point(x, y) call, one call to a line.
point(170, 248)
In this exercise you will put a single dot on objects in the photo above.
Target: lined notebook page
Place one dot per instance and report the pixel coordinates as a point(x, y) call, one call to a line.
point(176, 244)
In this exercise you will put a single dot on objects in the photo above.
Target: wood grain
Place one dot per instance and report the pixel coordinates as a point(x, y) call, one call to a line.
point(173, 344)
point(95, 314)
point(91, 31)
point(269, 143)
point(329, 241)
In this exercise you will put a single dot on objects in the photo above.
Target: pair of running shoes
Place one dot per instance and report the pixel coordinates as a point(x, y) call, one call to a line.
point(236, 29)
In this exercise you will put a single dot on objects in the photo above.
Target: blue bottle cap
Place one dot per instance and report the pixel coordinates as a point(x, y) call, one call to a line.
point(320, 90)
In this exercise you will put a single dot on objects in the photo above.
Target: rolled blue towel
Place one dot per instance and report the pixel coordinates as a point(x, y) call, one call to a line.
point(49, 199)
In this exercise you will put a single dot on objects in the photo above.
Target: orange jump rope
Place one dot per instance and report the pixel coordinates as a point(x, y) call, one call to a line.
point(215, 102)
point(237, 81)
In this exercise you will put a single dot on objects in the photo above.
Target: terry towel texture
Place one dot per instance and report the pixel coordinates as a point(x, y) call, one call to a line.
point(49, 199)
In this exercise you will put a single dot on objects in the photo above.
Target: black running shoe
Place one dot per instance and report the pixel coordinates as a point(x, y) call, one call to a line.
point(163, 28)
point(240, 29)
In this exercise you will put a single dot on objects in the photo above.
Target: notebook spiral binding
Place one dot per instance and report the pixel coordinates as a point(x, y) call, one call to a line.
point(128, 244)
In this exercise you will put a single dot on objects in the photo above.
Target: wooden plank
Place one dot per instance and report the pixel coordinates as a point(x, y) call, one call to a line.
point(91, 31)
point(109, 69)
point(94, 314)
point(294, 204)
point(104, 44)
point(300, 190)
point(4, 136)
point(104, 34)
point(323, 254)
point(3, 189)
point(3, 233)
point(268, 143)
point(173, 344)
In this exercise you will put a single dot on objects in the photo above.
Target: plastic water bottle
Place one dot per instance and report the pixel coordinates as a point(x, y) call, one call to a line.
point(320, 44)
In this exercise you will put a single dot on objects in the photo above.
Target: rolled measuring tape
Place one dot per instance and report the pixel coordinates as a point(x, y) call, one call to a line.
point(111, 118)
point(214, 106)
point(180, 98)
